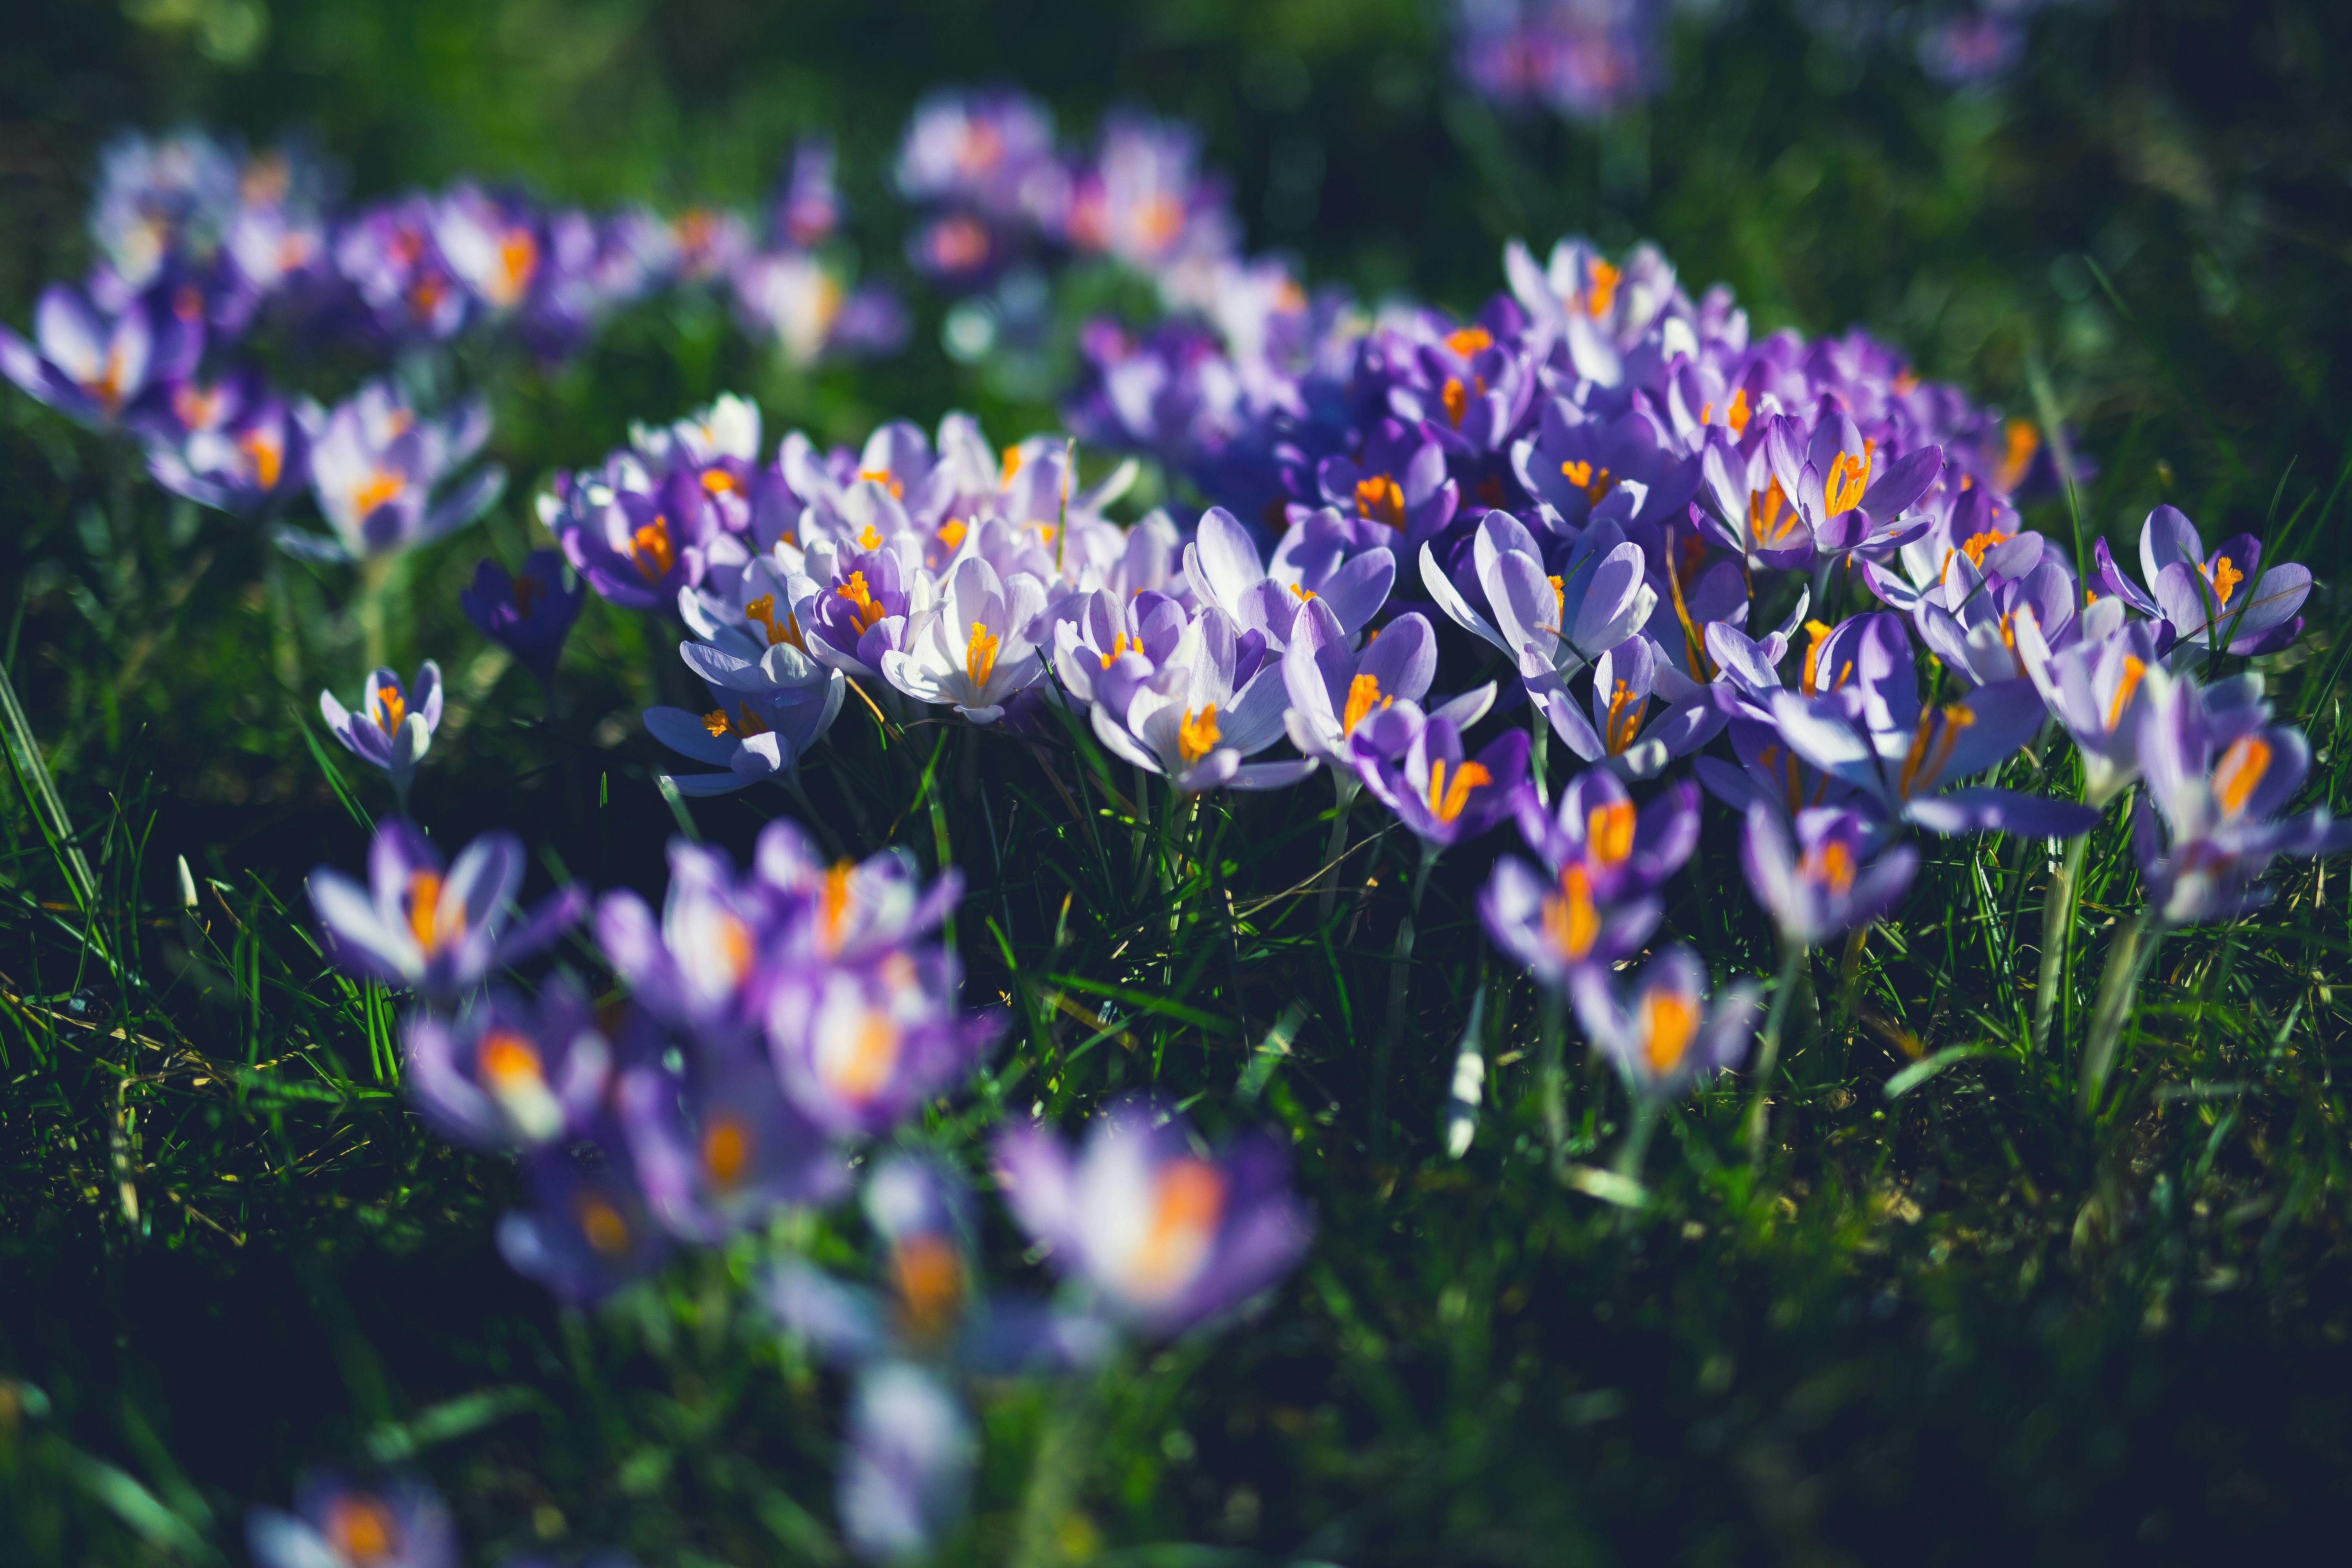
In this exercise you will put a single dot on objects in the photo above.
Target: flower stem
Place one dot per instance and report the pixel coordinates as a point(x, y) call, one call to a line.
point(1056, 1476)
point(1345, 786)
point(1643, 1122)
point(1768, 1052)
point(1539, 743)
point(375, 591)
point(1400, 981)
point(1552, 1075)
point(2117, 985)
point(2057, 932)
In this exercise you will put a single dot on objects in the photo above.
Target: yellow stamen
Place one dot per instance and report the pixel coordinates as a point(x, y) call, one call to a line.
point(602, 1224)
point(381, 489)
point(870, 537)
point(833, 904)
point(979, 655)
point(1609, 831)
point(1603, 293)
point(952, 532)
point(1570, 923)
point(1012, 467)
point(507, 1059)
point(1738, 415)
point(1624, 721)
point(872, 1053)
point(1197, 735)
point(867, 610)
point(1770, 519)
point(361, 1530)
point(1849, 477)
point(1830, 863)
point(931, 1284)
point(2225, 578)
point(1381, 498)
point(650, 547)
point(761, 612)
point(266, 450)
point(1364, 698)
point(1189, 1199)
point(1594, 483)
point(1447, 799)
point(1819, 632)
point(1469, 341)
point(1303, 594)
point(1668, 1024)
point(726, 1150)
point(744, 725)
point(1457, 399)
point(2022, 441)
point(883, 477)
point(1559, 601)
point(425, 910)
point(1118, 650)
point(2125, 687)
point(391, 710)
point(1932, 745)
point(719, 482)
point(2240, 771)
point(1976, 544)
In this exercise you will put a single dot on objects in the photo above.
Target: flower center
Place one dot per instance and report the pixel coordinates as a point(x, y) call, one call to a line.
point(2125, 687)
point(1456, 398)
point(1197, 736)
point(1609, 831)
point(381, 489)
point(1118, 646)
point(761, 612)
point(2225, 578)
point(1363, 699)
point(1469, 341)
point(858, 1061)
point(518, 261)
point(2240, 771)
point(1594, 482)
point(1447, 798)
point(361, 1530)
point(1668, 1022)
point(602, 1223)
point(1188, 1201)
point(425, 910)
point(1570, 923)
point(726, 1151)
point(931, 1284)
point(1932, 743)
point(1625, 711)
point(266, 450)
point(1381, 498)
point(507, 1061)
point(743, 726)
point(950, 532)
point(1829, 864)
point(391, 708)
point(650, 547)
point(1603, 292)
point(888, 481)
point(2021, 441)
point(979, 655)
point(1849, 477)
point(1770, 519)
point(865, 609)
point(833, 904)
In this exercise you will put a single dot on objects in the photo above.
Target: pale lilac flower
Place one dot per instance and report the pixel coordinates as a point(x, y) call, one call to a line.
point(1163, 1237)
point(1660, 1029)
point(399, 1523)
point(859, 1048)
point(510, 1072)
point(2203, 598)
point(1624, 681)
point(375, 465)
point(1217, 699)
point(1223, 568)
point(906, 1481)
point(588, 1231)
point(99, 365)
point(1823, 884)
point(721, 1151)
point(1413, 765)
point(437, 927)
point(1333, 688)
point(394, 729)
point(972, 650)
point(1595, 900)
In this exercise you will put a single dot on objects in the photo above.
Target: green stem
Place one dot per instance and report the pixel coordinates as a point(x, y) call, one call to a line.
point(1636, 1147)
point(1539, 744)
point(1345, 786)
point(1056, 1476)
point(2134, 949)
point(1552, 1075)
point(1768, 1052)
point(2057, 932)
point(375, 589)
point(1400, 983)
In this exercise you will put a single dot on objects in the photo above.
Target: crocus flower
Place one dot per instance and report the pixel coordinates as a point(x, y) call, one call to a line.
point(1660, 1029)
point(1976, 640)
point(635, 542)
point(1843, 498)
point(496, 247)
point(844, 910)
point(374, 467)
point(932, 1305)
point(388, 255)
point(1398, 479)
point(437, 927)
point(1571, 464)
point(1332, 688)
point(722, 1151)
point(859, 1048)
point(695, 967)
point(588, 1231)
point(973, 649)
point(906, 1476)
point(234, 445)
point(1162, 1236)
point(97, 366)
point(769, 714)
point(394, 729)
point(1413, 764)
point(1217, 699)
point(1223, 567)
point(510, 1072)
point(527, 613)
point(2217, 775)
point(2093, 685)
point(1900, 755)
point(1823, 884)
point(399, 1523)
point(1624, 684)
point(2204, 598)
point(1595, 900)
point(1556, 621)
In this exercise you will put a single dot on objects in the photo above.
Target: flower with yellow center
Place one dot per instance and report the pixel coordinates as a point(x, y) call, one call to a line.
point(1197, 736)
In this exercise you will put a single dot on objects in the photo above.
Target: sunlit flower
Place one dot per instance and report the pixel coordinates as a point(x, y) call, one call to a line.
point(859, 1048)
point(1414, 765)
point(375, 465)
point(393, 727)
point(99, 365)
point(437, 927)
point(1823, 884)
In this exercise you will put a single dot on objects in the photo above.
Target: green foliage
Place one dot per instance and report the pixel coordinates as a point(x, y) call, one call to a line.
point(1948, 1316)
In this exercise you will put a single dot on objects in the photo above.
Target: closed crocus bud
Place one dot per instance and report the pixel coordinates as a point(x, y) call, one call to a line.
point(1162, 1236)
point(528, 613)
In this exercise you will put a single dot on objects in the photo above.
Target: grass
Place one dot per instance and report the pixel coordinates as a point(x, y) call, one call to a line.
point(1950, 1316)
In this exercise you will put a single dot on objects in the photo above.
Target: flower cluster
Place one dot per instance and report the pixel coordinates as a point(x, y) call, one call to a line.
point(199, 243)
point(776, 1020)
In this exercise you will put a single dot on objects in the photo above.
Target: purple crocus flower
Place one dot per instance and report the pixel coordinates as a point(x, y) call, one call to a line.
point(1623, 683)
point(1144, 200)
point(849, 911)
point(770, 713)
point(1217, 699)
point(234, 445)
point(1573, 463)
point(931, 1306)
point(527, 613)
point(437, 927)
point(1396, 479)
point(398, 1523)
point(2092, 686)
point(1163, 1237)
point(161, 200)
point(374, 466)
point(1103, 647)
point(1413, 764)
point(1601, 595)
point(388, 255)
point(695, 968)
point(1333, 688)
point(907, 1476)
point(1978, 639)
point(635, 543)
point(1843, 499)
point(975, 648)
point(990, 150)
point(510, 1072)
point(1585, 59)
point(588, 1231)
point(1822, 885)
point(394, 729)
point(721, 1151)
point(1899, 754)
point(1223, 567)
point(99, 365)
point(2217, 775)
point(861, 1047)
point(1660, 1029)
point(1604, 862)
point(496, 247)
point(2203, 598)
